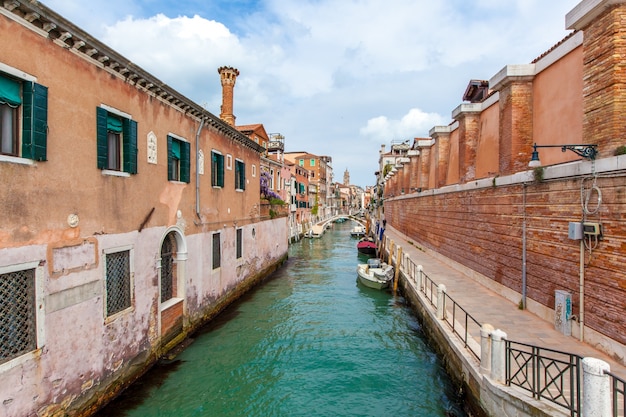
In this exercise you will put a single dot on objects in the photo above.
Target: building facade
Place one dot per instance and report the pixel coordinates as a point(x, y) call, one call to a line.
point(132, 217)
point(468, 194)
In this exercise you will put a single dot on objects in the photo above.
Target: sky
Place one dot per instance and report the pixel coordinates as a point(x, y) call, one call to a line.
point(337, 78)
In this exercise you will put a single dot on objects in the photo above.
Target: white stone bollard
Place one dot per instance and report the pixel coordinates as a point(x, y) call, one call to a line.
point(420, 271)
point(498, 356)
point(441, 308)
point(485, 348)
point(596, 388)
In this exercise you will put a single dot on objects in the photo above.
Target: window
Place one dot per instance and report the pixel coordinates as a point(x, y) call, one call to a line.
point(18, 314)
point(240, 175)
point(239, 243)
point(301, 162)
point(117, 141)
point(118, 282)
point(23, 105)
point(169, 249)
point(216, 251)
point(217, 169)
point(312, 162)
point(178, 164)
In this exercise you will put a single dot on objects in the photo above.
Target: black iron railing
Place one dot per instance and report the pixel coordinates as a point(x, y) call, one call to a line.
point(463, 324)
point(546, 373)
point(618, 398)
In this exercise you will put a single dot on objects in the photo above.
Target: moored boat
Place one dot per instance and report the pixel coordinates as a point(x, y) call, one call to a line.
point(357, 231)
point(375, 274)
point(366, 246)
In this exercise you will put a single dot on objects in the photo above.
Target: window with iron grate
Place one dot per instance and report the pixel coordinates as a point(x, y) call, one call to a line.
point(118, 282)
point(217, 251)
point(239, 243)
point(18, 324)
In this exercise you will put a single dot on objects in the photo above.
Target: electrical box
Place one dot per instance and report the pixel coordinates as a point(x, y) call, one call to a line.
point(592, 229)
point(575, 231)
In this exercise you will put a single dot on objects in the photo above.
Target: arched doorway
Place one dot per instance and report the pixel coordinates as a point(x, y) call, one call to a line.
point(173, 257)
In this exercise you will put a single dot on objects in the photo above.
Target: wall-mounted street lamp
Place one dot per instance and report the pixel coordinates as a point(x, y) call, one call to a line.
point(586, 151)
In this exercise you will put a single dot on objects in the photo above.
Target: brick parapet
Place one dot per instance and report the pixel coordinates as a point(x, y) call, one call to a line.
point(441, 135)
point(516, 125)
point(604, 78)
point(469, 124)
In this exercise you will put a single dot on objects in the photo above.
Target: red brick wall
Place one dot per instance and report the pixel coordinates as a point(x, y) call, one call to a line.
point(604, 77)
point(482, 229)
point(172, 319)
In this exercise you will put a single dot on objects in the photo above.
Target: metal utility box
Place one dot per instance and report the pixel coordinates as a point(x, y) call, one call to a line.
point(563, 312)
point(575, 231)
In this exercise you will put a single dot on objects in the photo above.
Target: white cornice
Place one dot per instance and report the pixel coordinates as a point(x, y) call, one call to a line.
point(586, 11)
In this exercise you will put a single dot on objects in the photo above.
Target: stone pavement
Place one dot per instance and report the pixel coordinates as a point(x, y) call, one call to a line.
point(486, 306)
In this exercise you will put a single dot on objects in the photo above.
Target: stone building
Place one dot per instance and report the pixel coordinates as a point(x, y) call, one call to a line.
point(468, 194)
point(131, 216)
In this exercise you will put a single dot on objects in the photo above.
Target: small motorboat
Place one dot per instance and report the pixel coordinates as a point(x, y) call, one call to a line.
point(375, 274)
point(366, 246)
point(357, 231)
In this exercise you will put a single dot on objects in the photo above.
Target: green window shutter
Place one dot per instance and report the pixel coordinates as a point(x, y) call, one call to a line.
point(240, 175)
point(184, 161)
point(170, 157)
point(129, 139)
point(101, 137)
point(220, 177)
point(35, 121)
point(243, 176)
point(217, 169)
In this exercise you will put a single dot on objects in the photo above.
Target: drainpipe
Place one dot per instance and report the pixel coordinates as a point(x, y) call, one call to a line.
point(524, 248)
point(197, 170)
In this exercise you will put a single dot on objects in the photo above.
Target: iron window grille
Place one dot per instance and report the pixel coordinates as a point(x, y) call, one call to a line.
point(118, 283)
point(18, 323)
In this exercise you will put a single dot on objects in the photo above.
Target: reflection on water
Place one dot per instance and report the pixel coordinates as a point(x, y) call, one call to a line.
point(309, 341)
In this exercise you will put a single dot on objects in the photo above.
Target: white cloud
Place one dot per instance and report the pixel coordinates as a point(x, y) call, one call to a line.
point(318, 71)
point(415, 123)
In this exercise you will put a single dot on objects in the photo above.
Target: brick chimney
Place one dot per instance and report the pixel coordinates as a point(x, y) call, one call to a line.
point(228, 77)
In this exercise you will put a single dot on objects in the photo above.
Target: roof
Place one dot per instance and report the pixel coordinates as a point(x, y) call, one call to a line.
point(69, 36)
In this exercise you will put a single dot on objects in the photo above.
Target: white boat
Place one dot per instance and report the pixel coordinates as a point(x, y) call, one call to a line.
point(357, 231)
point(375, 274)
point(316, 232)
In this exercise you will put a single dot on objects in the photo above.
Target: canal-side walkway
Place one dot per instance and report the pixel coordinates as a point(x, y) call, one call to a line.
point(487, 306)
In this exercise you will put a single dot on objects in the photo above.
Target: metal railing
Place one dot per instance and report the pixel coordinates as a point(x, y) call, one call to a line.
point(548, 374)
point(618, 398)
point(464, 333)
point(429, 289)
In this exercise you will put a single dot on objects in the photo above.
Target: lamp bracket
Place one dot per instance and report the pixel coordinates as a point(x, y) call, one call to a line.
point(587, 151)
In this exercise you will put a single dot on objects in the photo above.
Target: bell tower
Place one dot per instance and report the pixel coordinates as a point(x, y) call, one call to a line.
point(228, 77)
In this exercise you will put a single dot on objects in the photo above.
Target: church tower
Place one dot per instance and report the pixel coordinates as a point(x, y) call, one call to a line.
point(346, 177)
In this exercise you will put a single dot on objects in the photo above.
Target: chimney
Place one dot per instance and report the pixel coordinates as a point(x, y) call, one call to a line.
point(228, 77)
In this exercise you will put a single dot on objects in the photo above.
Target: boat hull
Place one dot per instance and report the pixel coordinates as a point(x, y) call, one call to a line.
point(366, 247)
point(376, 278)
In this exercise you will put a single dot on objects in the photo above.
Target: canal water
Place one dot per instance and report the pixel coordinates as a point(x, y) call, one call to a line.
point(309, 341)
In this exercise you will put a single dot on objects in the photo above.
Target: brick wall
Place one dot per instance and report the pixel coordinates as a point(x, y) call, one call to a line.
point(482, 229)
point(604, 77)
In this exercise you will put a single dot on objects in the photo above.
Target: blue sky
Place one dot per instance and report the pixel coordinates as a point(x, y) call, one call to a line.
point(335, 77)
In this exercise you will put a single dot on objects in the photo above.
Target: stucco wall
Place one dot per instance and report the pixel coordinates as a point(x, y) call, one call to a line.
point(84, 356)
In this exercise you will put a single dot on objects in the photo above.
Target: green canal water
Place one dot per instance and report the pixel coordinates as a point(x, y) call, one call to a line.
point(310, 341)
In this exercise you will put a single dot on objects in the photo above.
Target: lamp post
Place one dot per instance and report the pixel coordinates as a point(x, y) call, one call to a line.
point(587, 151)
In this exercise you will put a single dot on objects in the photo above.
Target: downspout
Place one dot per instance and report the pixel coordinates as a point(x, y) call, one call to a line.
point(524, 247)
point(197, 169)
